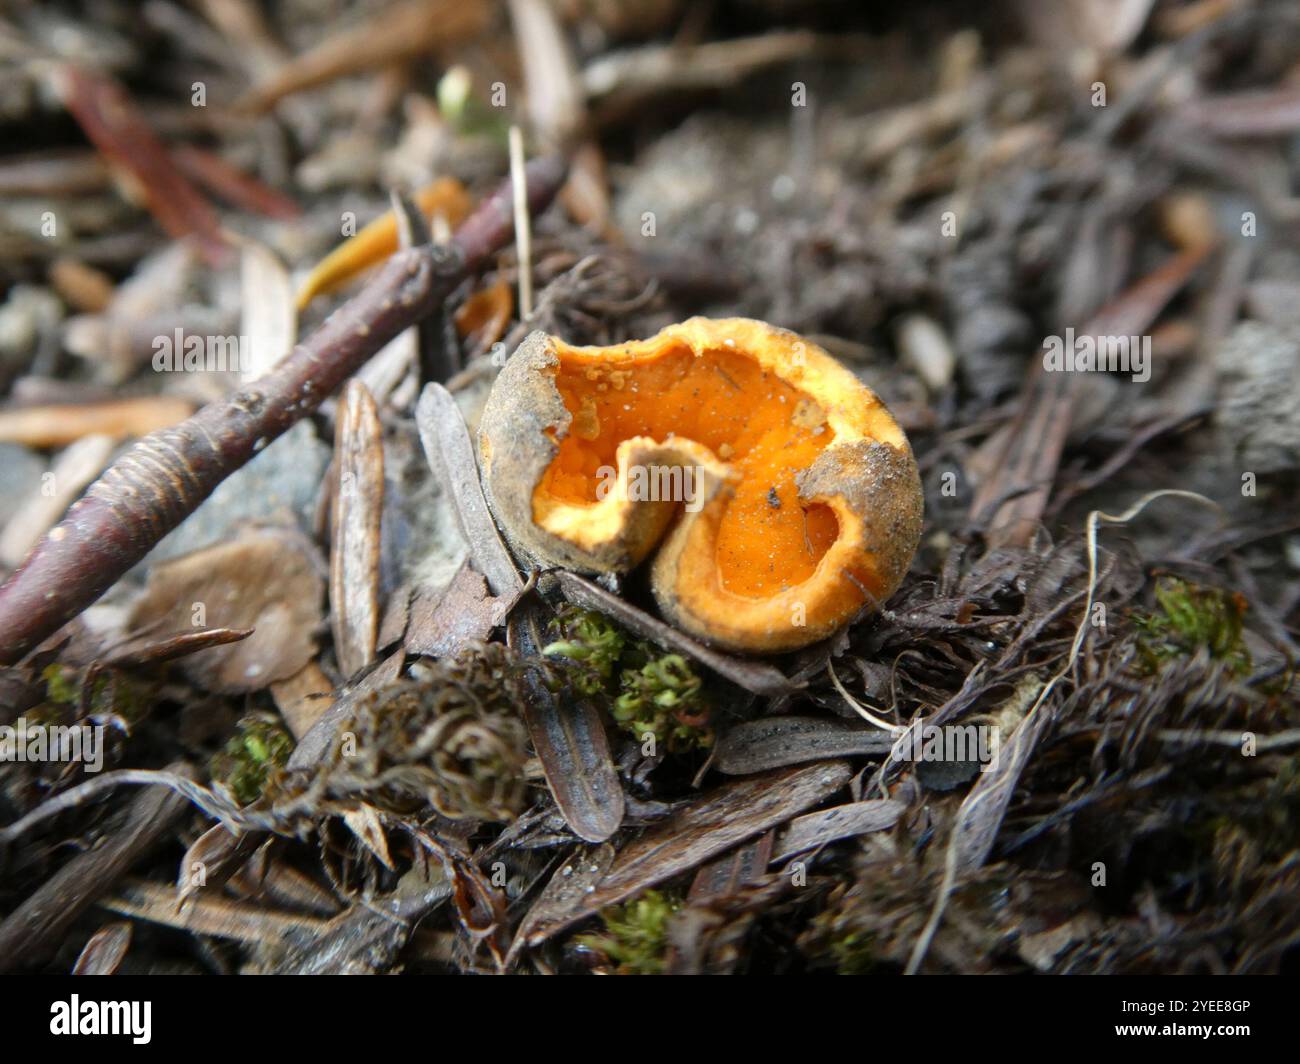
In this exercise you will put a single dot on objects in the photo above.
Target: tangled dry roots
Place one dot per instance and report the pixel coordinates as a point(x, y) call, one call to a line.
point(453, 740)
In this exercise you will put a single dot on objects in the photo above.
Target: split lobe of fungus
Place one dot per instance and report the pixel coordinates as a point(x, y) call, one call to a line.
point(775, 491)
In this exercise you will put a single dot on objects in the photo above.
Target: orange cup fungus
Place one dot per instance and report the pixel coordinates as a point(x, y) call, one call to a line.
point(775, 490)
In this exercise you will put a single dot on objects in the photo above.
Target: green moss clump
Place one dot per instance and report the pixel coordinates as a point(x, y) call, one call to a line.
point(592, 646)
point(648, 692)
point(663, 698)
point(254, 753)
point(1189, 619)
point(854, 953)
point(62, 684)
point(636, 934)
point(112, 692)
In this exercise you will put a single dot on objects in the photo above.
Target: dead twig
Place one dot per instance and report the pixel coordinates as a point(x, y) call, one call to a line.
point(165, 476)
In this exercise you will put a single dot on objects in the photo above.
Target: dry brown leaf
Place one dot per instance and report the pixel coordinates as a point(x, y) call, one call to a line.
point(268, 580)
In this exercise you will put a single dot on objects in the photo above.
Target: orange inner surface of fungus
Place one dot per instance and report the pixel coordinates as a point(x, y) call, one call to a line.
point(768, 539)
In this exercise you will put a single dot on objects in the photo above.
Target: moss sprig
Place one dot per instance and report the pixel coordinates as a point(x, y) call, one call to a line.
point(663, 698)
point(591, 647)
point(108, 693)
point(636, 934)
point(648, 691)
point(257, 750)
point(1189, 619)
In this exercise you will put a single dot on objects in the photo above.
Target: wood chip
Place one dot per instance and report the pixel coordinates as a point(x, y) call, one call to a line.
point(105, 950)
point(303, 698)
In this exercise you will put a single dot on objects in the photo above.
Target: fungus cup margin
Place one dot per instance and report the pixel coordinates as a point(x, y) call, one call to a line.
point(794, 497)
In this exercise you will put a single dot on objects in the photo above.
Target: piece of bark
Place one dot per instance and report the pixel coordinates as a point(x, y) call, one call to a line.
point(775, 742)
point(710, 825)
point(355, 548)
point(31, 933)
point(441, 625)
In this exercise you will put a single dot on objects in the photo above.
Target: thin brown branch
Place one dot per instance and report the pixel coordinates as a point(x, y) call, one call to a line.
point(163, 478)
